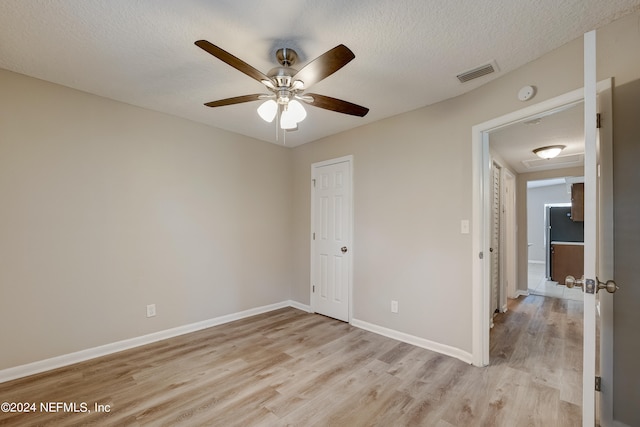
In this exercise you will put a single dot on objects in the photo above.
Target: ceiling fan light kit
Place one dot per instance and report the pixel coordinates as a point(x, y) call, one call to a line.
point(549, 152)
point(286, 85)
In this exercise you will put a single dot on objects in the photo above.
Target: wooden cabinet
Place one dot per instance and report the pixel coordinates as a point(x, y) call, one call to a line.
point(566, 260)
point(577, 202)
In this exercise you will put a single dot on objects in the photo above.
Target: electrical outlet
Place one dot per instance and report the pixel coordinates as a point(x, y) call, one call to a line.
point(394, 306)
point(464, 226)
point(151, 310)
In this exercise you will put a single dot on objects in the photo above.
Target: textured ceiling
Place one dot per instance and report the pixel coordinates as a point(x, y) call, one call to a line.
point(408, 52)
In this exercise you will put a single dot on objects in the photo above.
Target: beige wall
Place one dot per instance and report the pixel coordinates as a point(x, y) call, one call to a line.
point(105, 208)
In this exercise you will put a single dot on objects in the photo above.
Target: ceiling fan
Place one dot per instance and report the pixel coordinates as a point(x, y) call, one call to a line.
point(286, 85)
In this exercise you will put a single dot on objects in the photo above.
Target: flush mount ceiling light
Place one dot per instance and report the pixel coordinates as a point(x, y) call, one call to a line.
point(549, 152)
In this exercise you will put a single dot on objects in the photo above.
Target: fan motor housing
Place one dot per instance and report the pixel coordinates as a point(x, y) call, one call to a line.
point(282, 76)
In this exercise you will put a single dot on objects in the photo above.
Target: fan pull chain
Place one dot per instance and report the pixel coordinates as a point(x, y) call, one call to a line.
point(277, 121)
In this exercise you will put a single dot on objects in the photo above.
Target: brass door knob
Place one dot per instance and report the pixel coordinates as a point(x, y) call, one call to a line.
point(571, 281)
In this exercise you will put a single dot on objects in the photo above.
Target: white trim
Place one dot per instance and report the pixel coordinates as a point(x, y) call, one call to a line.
point(103, 350)
point(521, 293)
point(413, 340)
point(300, 306)
point(348, 159)
point(619, 424)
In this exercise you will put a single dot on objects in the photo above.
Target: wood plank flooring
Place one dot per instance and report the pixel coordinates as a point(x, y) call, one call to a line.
point(290, 368)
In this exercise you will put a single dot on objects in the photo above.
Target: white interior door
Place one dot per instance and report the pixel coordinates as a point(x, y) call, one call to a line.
point(598, 240)
point(331, 238)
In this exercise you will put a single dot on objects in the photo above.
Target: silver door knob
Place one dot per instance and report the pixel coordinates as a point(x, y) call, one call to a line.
point(344, 249)
point(610, 285)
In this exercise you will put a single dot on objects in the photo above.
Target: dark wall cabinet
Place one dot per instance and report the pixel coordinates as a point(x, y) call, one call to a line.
point(577, 202)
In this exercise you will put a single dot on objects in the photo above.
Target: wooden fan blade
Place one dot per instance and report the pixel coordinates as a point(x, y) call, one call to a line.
point(235, 100)
point(324, 65)
point(236, 63)
point(337, 105)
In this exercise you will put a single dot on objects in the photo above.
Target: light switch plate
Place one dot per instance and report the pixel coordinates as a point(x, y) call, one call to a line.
point(464, 226)
point(394, 306)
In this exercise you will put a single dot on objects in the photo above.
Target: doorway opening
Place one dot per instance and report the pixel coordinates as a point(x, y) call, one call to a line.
point(483, 154)
point(555, 240)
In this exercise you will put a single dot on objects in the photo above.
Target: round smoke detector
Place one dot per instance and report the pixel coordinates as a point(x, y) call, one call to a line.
point(526, 93)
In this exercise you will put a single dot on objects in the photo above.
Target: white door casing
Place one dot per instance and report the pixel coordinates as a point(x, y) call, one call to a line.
point(331, 237)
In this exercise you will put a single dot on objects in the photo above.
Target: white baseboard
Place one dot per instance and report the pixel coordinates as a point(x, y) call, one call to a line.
point(522, 293)
point(619, 424)
point(532, 261)
point(299, 306)
point(103, 350)
point(417, 341)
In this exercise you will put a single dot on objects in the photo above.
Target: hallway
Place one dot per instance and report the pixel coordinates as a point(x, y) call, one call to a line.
point(540, 339)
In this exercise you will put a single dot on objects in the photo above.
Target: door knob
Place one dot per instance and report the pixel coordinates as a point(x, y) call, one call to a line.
point(610, 285)
point(344, 249)
point(571, 281)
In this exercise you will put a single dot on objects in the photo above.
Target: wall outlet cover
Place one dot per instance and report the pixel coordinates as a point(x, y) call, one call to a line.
point(151, 310)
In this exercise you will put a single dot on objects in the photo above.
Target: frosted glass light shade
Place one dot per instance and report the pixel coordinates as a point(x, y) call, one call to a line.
point(297, 110)
point(549, 152)
point(287, 120)
point(267, 111)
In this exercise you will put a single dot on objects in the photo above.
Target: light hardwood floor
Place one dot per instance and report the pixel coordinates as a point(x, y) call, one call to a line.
point(292, 368)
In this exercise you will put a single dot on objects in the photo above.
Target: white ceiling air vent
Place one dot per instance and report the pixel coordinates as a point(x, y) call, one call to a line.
point(480, 71)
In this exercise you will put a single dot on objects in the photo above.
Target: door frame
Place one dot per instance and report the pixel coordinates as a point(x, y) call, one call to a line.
point(481, 215)
point(481, 236)
point(312, 269)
